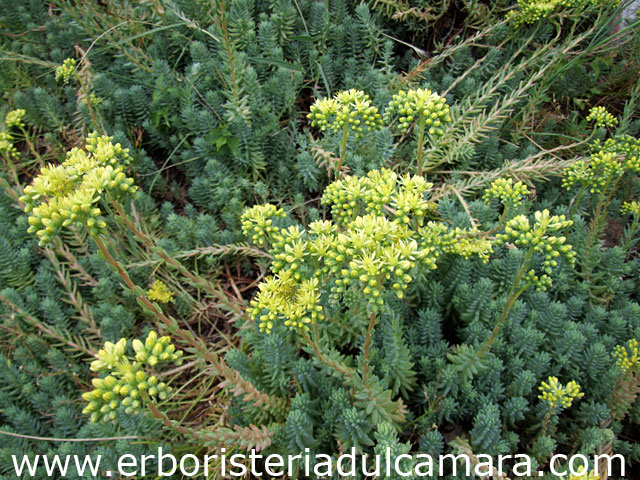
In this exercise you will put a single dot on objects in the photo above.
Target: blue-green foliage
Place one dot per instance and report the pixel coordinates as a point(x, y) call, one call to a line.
point(556, 332)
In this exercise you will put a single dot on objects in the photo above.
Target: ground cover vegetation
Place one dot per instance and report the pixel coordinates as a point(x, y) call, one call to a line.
point(299, 225)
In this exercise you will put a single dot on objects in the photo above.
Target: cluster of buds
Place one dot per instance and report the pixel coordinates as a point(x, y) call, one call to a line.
point(539, 239)
point(631, 207)
point(531, 11)
point(7, 147)
point(556, 395)
point(159, 292)
point(350, 109)
point(510, 194)
point(421, 105)
point(601, 117)
point(14, 118)
point(68, 194)
point(379, 192)
point(584, 474)
point(126, 379)
point(67, 70)
point(609, 162)
point(257, 222)
point(628, 356)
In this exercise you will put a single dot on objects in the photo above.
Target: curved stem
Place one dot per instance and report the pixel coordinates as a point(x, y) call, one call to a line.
point(421, 128)
point(514, 293)
point(343, 149)
point(194, 278)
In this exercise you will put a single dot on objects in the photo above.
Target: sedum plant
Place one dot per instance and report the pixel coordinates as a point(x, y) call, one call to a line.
point(380, 237)
point(352, 307)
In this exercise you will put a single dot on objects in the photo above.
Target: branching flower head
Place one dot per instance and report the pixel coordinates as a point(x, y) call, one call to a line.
point(507, 192)
point(14, 118)
point(601, 117)
point(282, 297)
point(66, 71)
point(557, 395)
point(421, 105)
point(126, 378)
point(628, 356)
point(350, 109)
point(539, 239)
point(69, 194)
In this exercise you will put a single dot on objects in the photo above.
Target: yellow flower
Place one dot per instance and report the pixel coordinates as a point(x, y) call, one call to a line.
point(69, 194)
point(508, 192)
point(558, 396)
point(66, 70)
point(159, 292)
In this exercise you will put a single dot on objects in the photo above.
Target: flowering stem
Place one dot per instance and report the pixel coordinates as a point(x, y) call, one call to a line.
point(12, 168)
point(545, 422)
point(628, 241)
point(343, 149)
point(421, 127)
point(366, 347)
point(514, 293)
point(166, 323)
point(343, 369)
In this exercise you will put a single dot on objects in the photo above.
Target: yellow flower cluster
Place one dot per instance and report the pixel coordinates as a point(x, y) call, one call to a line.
point(380, 191)
point(69, 194)
point(631, 207)
point(258, 222)
point(348, 109)
point(127, 378)
point(282, 296)
point(539, 239)
point(628, 357)
point(159, 292)
point(6, 145)
point(66, 70)
point(375, 246)
point(558, 396)
point(509, 193)
point(611, 160)
point(530, 11)
point(422, 105)
point(14, 118)
point(601, 117)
